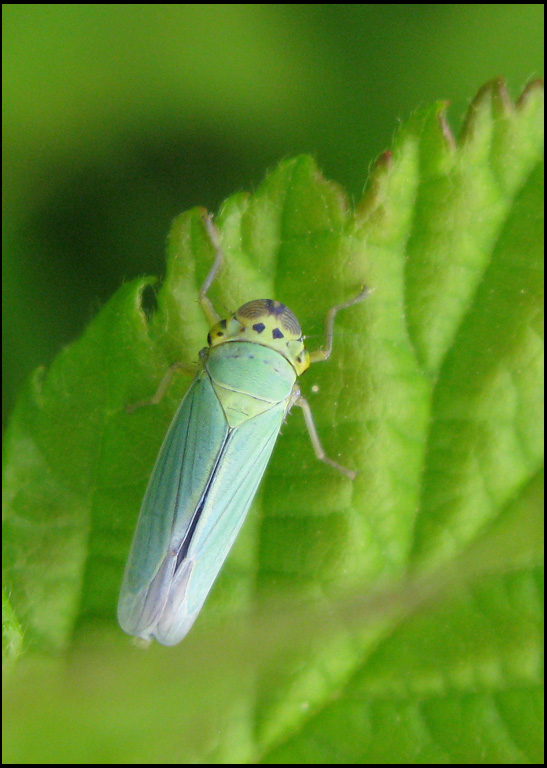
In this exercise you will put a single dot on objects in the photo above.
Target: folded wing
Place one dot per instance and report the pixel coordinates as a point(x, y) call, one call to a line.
point(204, 481)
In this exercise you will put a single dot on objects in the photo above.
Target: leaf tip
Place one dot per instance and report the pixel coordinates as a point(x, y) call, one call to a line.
point(492, 96)
point(385, 160)
point(446, 131)
point(534, 88)
point(374, 191)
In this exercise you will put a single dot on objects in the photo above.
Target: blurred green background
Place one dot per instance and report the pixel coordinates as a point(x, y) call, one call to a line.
point(117, 117)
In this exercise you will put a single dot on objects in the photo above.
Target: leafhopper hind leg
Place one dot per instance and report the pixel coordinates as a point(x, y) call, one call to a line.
point(208, 310)
point(317, 356)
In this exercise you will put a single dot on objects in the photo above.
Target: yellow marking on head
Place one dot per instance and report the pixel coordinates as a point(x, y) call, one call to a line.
point(265, 322)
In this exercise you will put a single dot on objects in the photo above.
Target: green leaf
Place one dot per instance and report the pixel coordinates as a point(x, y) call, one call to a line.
point(393, 620)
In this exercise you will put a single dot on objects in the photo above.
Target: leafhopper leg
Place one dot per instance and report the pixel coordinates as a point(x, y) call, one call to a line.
point(301, 402)
point(204, 300)
point(325, 352)
point(165, 383)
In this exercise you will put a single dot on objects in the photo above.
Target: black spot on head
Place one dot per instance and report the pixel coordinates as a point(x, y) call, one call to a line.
point(220, 333)
point(209, 339)
point(276, 333)
point(223, 323)
point(258, 327)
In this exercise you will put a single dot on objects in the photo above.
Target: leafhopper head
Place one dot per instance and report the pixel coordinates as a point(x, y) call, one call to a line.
point(268, 323)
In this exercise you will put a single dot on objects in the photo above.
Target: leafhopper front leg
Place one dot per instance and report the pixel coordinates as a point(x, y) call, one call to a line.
point(301, 402)
point(208, 310)
point(325, 353)
point(204, 300)
point(165, 383)
point(317, 356)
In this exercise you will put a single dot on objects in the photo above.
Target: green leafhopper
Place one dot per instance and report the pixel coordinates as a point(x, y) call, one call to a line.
point(213, 458)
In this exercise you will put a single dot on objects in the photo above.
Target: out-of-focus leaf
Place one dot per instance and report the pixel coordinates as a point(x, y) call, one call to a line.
point(420, 581)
